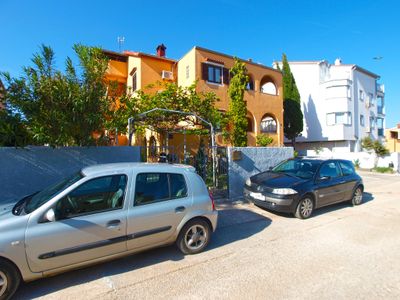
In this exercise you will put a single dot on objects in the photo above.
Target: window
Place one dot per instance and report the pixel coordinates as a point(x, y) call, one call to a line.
point(372, 122)
point(268, 124)
point(134, 82)
point(214, 74)
point(178, 186)
point(329, 169)
point(96, 195)
point(347, 168)
point(156, 187)
point(361, 95)
point(371, 98)
point(338, 118)
point(362, 122)
point(187, 72)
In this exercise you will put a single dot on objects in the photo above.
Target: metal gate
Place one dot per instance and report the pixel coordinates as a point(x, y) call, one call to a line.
point(201, 160)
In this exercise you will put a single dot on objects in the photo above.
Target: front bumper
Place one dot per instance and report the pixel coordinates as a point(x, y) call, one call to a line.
point(286, 204)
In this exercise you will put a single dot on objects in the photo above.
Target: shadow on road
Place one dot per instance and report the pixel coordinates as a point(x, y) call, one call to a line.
point(367, 197)
point(233, 225)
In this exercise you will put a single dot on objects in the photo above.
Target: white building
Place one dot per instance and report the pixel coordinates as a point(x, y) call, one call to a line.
point(341, 104)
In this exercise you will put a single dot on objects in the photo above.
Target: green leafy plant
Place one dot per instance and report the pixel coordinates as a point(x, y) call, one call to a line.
point(379, 149)
point(383, 169)
point(356, 163)
point(238, 107)
point(264, 140)
point(367, 143)
point(317, 149)
point(293, 116)
point(61, 108)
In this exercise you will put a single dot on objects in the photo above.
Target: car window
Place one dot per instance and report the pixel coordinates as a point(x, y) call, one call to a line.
point(329, 169)
point(45, 195)
point(156, 187)
point(347, 168)
point(96, 195)
point(178, 186)
point(151, 187)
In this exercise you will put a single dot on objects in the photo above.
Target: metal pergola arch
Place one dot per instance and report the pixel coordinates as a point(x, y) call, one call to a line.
point(131, 121)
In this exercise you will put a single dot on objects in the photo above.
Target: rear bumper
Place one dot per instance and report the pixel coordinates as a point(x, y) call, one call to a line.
point(213, 217)
point(286, 204)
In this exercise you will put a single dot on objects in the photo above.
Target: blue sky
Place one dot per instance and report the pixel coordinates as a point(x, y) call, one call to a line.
point(355, 31)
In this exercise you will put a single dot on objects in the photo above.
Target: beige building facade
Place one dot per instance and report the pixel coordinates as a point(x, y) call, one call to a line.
point(210, 70)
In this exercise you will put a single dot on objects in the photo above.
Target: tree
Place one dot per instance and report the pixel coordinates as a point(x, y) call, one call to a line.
point(59, 108)
point(172, 97)
point(237, 106)
point(13, 130)
point(293, 116)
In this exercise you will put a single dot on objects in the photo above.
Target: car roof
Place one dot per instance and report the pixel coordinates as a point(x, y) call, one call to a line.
point(319, 159)
point(120, 167)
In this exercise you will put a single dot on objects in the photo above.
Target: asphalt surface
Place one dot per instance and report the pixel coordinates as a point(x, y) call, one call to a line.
point(342, 252)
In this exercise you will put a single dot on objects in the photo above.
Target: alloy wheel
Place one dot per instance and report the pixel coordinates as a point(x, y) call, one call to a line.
point(3, 283)
point(357, 198)
point(306, 207)
point(196, 237)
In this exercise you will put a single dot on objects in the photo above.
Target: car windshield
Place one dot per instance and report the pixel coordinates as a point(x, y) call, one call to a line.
point(304, 169)
point(32, 203)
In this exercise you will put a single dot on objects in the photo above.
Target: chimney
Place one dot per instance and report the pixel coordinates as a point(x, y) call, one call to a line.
point(398, 125)
point(161, 50)
point(338, 61)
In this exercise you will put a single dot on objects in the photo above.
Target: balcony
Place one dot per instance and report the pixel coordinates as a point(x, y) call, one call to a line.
point(380, 90)
point(381, 132)
point(381, 110)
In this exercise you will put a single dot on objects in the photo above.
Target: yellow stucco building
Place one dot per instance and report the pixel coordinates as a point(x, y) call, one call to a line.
point(392, 136)
point(210, 69)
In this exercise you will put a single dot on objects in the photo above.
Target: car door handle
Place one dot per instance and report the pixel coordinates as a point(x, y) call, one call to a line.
point(114, 224)
point(180, 209)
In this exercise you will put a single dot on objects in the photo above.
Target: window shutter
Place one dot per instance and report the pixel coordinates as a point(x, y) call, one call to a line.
point(204, 71)
point(226, 75)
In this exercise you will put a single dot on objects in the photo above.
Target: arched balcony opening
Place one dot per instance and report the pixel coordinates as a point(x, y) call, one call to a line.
point(268, 124)
point(250, 84)
point(250, 122)
point(267, 86)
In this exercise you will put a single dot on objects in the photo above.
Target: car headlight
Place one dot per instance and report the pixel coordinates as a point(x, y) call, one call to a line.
point(248, 182)
point(285, 191)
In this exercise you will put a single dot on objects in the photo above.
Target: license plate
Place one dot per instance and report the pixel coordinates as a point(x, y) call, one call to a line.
point(257, 196)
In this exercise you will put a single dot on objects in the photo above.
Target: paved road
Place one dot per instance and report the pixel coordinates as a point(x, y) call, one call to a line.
point(343, 252)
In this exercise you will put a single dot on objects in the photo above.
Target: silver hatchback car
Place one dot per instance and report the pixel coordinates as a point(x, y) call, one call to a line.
point(103, 212)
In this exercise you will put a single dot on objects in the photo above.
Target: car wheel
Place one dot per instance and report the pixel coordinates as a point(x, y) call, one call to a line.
point(194, 237)
point(357, 196)
point(305, 208)
point(9, 279)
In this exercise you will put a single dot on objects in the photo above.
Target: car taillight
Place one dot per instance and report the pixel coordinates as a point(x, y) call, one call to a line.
point(212, 200)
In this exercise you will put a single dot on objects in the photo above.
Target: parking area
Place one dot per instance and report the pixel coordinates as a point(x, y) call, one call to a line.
point(342, 252)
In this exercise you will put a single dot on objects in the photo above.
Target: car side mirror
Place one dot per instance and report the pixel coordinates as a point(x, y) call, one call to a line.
point(50, 216)
point(270, 168)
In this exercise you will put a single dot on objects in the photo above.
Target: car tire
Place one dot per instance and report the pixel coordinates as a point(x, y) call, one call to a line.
point(357, 196)
point(10, 279)
point(194, 237)
point(305, 208)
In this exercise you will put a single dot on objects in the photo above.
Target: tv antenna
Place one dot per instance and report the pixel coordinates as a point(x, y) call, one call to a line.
point(120, 40)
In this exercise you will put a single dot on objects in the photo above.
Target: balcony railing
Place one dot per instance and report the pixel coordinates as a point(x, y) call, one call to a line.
point(380, 88)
